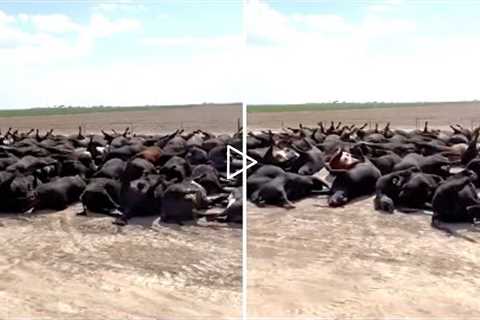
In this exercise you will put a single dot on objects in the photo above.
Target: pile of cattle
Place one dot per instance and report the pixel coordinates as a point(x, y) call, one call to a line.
point(178, 176)
point(429, 170)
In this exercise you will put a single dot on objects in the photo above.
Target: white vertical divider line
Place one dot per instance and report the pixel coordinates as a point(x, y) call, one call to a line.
point(229, 176)
point(244, 164)
point(245, 219)
point(245, 215)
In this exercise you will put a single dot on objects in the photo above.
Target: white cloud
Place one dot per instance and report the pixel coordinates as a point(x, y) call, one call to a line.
point(23, 17)
point(385, 6)
point(5, 18)
point(379, 8)
point(195, 42)
point(122, 6)
point(295, 58)
point(45, 43)
point(268, 26)
point(53, 23)
point(209, 77)
point(101, 26)
point(41, 67)
point(264, 23)
point(323, 22)
point(376, 26)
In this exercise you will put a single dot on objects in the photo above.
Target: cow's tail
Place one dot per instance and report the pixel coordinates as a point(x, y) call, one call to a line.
point(438, 225)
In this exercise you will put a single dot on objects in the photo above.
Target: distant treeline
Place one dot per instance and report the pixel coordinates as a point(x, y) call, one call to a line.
point(65, 110)
point(345, 105)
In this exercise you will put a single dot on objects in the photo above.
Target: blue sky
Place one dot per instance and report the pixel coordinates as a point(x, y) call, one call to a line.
point(119, 53)
point(435, 15)
point(164, 52)
point(389, 50)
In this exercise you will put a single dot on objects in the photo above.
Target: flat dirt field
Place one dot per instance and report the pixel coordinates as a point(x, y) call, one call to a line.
point(63, 266)
point(353, 262)
point(356, 263)
point(215, 118)
point(59, 265)
point(439, 115)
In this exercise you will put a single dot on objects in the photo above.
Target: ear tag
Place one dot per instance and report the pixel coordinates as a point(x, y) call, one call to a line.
point(325, 176)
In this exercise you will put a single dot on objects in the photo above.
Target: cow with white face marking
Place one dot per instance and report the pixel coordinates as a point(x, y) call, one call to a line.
point(407, 171)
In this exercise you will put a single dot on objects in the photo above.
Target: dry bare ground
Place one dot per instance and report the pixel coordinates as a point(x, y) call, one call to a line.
point(62, 266)
point(353, 262)
point(439, 115)
point(215, 118)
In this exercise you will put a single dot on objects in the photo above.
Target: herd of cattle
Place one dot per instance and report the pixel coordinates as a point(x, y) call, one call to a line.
point(181, 176)
point(178, 176)
point(436, 171)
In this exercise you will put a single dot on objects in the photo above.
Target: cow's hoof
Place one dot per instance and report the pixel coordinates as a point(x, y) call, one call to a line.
point(289, 206)
point(82, 213)
point(120, 222)
point(29, 211)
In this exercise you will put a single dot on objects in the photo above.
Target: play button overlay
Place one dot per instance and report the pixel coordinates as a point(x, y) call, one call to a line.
point(249, 161)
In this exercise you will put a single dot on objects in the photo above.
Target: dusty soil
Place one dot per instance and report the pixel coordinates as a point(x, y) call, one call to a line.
point(354, 262)
point(63, 266)
point(440, 115)
point(215, 118)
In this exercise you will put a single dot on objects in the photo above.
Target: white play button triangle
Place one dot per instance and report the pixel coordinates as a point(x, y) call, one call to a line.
point(229, 155)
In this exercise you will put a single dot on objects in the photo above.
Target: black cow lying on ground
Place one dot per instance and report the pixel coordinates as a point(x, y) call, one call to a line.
point(177, 176)
point(405, 170)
